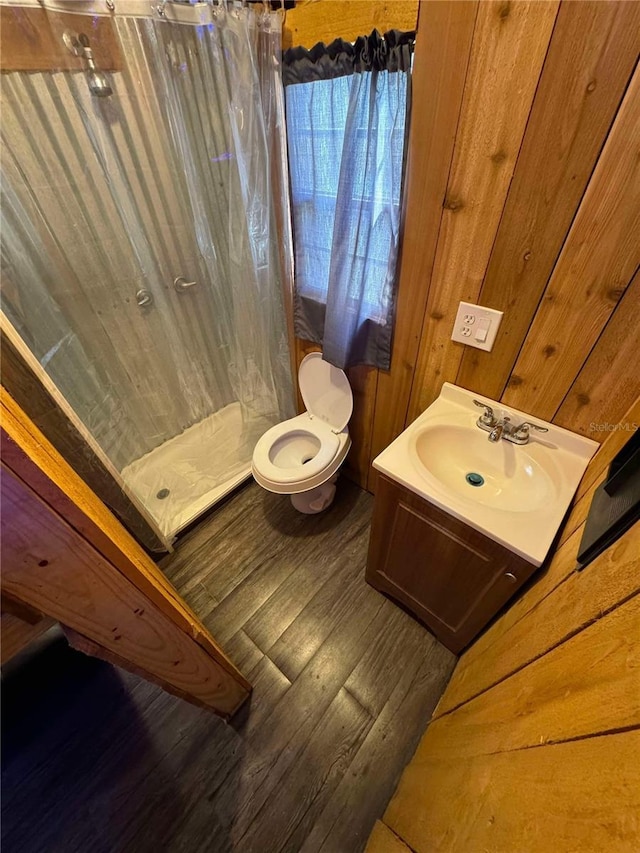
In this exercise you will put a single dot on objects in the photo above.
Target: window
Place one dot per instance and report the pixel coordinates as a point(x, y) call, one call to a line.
point(346, 137)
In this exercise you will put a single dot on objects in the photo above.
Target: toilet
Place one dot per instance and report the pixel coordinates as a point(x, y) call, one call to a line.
point(301, 456)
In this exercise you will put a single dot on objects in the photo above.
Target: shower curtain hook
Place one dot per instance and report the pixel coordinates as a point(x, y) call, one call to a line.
point(111, 6)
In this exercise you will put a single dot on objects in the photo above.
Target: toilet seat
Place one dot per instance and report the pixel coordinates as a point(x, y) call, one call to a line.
point(290, 431)
point(306, 451)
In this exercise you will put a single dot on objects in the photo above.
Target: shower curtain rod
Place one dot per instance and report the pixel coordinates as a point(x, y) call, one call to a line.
point(176, 11)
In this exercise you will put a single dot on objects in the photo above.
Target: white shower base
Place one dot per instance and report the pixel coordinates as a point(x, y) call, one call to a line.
point(198, 468)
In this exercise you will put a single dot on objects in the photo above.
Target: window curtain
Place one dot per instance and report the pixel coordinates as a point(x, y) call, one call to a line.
point(347, 118)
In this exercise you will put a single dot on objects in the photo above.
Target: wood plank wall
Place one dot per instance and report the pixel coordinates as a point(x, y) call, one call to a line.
point(523, 194)
point(535, 744)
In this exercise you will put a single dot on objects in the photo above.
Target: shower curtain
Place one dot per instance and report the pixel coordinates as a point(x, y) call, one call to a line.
point(140, 258)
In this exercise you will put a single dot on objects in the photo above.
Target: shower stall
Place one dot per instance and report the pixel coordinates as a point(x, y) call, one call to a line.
point(141, 244)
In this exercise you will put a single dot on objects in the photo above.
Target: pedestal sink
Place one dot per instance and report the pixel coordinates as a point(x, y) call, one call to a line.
point(515, 494)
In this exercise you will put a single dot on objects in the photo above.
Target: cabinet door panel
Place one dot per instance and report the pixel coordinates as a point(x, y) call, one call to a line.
point(452, 577)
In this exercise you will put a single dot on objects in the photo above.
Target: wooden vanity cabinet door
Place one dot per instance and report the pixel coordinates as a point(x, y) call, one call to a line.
point(449, 575)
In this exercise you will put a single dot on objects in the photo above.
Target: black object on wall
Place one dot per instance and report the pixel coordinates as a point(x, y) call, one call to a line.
point(616, 503)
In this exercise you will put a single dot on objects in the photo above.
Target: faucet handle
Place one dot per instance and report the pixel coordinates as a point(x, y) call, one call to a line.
point(523, 430)
point(488, 418)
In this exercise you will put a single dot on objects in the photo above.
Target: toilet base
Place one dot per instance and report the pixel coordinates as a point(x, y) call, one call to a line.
point(315, 500)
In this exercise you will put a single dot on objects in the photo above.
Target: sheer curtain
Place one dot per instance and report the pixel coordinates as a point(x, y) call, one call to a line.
point(108, 200)
point(347, 114)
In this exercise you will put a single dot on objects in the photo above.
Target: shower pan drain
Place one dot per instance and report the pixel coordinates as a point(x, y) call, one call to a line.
point(163, 493)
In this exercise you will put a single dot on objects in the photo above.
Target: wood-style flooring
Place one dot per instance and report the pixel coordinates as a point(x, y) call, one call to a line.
point(344, 684)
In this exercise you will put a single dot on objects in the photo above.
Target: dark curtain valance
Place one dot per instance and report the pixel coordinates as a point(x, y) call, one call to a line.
point(391, 52)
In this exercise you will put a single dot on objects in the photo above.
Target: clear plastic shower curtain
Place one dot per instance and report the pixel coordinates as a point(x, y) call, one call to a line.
point(139, 249)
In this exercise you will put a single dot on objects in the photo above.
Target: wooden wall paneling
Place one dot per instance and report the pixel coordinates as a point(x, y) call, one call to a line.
point(303, 348)
point(37, 463)
point(587, 686)
point(31, 40)
point(326, 20)
point(383, 840)
point(510, 42)
point(443, 46)
point(579, 600)
point(597, 262)
point(363, 381)
point(591, 57)
point(577, 795)
point(48, 565)
point(610, 377)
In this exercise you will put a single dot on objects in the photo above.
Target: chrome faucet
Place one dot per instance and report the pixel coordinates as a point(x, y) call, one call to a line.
point(503, 428)
point(500, 429)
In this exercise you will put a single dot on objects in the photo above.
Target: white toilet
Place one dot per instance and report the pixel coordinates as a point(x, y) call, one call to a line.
point(301, 456)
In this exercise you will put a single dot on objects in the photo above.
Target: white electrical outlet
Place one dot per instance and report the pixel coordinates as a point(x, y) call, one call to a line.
point(476, 326)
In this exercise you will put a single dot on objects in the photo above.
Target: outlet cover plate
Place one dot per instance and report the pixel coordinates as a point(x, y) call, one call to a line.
point(476, 326)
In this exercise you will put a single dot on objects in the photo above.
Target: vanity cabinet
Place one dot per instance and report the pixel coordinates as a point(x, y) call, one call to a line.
point(453, 578)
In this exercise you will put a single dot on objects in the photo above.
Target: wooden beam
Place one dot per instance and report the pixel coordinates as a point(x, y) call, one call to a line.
point(17, 608)
point(591, 57)
point(443, 46)
point(48, 565)
point(89, 647)
point(598, 260)
point(510, 42)
point(326, 20)
point(34, 459)
point(35, 463)
point(581, 795)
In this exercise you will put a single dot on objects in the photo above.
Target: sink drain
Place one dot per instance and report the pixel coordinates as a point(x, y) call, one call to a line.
point(163, 493)
point(474, 479)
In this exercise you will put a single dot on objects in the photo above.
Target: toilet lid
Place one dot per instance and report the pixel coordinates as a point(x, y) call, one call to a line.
point(325, 390)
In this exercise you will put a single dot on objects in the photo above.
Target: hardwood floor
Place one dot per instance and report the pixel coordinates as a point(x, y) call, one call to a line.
point(344, 684)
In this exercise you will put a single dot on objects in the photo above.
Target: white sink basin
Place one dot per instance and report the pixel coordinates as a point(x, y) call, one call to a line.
point(466, 464)
point(515, 494)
